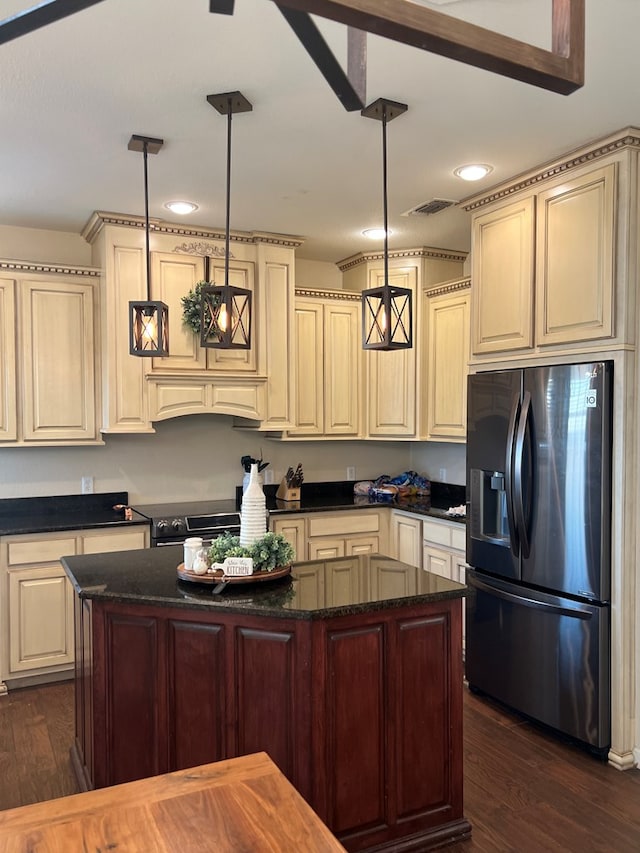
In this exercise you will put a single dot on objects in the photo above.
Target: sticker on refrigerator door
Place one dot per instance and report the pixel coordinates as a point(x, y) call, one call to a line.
point(592, 398)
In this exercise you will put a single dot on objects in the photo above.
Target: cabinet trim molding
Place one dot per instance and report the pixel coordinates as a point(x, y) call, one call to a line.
point(420, 252)
point(449, 287)
point(316, 293)
point(61, 269)
point(627, 138)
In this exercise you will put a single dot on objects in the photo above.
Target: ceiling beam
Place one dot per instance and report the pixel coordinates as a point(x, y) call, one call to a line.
point(39, 16)
point(560, 69)
point(313, 42)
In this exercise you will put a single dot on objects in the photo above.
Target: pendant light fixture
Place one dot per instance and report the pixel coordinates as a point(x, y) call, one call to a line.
point(387, 314)
point(225, 310)
point(148, 321)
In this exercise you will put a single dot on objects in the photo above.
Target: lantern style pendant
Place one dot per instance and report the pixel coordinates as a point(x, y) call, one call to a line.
point(387, 315)
point(225, 310)
point(148, 320)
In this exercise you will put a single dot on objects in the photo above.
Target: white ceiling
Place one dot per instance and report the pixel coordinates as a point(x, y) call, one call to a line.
point(73, 93)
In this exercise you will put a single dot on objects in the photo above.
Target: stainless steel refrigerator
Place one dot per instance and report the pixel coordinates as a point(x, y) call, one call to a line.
point(539, 542)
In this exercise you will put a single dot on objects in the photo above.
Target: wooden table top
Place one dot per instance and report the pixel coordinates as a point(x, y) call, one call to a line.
point(243, 804)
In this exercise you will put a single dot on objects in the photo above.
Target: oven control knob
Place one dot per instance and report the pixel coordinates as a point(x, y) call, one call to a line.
point(178, 525)
point(161, 524)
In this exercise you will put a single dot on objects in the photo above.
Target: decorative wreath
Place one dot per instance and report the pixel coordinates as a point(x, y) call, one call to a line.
point(192, 305)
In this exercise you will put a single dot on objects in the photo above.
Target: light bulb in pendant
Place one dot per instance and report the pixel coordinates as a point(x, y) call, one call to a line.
point(223, 318)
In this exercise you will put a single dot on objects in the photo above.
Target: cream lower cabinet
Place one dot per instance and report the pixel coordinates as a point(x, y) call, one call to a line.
point(443, 551)
point(405, 537)
point(323, 535)
point(328, 364)
point(37, 599)
point(48, 375)
point(447, 348)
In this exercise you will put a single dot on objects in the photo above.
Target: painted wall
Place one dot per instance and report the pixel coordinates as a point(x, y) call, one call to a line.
point(54, 247)
point(318, 274)
point(432, 458)
point(189, 458)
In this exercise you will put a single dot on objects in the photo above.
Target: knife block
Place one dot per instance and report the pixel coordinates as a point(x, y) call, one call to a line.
point(286, 493)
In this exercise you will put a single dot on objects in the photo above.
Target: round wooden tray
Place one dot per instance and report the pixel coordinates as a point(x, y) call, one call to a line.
point(220, 577)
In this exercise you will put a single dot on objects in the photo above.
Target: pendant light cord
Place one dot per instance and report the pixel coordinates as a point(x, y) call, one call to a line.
point(227, 235)
point(146, 218)
point(384, 195)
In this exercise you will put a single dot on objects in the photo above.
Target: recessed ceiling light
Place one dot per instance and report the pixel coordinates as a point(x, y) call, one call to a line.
point(473, 171)
point(181, 207)
point(375, 233)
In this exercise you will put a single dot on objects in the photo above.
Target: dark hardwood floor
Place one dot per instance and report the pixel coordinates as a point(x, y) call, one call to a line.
point(525, 791)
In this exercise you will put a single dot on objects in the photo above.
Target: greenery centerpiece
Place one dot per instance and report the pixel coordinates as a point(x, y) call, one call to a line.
point(192, 306)
point(269, 552)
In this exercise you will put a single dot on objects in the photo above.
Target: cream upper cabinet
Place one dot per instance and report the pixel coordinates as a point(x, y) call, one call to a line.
point(256, 386)
point(49, 391)
point(328, 363)
point(544, 264)
point(502, 273)
point(391, 376)
point(575, 258)
point(447, 347)
point(8, 387)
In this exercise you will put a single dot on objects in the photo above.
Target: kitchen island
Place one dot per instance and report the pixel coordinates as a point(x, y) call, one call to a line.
point(348, 674)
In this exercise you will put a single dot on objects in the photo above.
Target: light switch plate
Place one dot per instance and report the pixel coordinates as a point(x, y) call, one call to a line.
point(351, 472)
point(87, 485)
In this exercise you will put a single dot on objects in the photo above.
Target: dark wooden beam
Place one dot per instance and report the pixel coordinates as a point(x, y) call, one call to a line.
point(39, 16)
point(317, 48)
point(357, 61)
point(560, 69)
point(221, 7)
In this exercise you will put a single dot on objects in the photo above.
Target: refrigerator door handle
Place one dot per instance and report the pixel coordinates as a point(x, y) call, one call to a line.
point(576, 612)
point(521, 521)
point(508, 477)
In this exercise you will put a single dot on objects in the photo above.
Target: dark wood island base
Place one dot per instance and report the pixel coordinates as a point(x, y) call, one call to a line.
point(359, 703)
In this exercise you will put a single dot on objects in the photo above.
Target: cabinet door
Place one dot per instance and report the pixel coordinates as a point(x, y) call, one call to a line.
point(436, 561)
point(325, 548)
point(342, 583)
point(406, 539)
point(58, 361)
point(391, 377)
point(362, 545)
point(309, 406)
point(40, 619)
point(8, 420)
point(502, 275)
point(173, 276)
point(448, 354)
point(342, 354)
point(238, 361)
point(293, 531)
point(575, 259)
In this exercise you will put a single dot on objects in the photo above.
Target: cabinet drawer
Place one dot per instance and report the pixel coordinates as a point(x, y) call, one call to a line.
point(443, 533)
point(40, 551)
point(343, 525)
point(125, 540)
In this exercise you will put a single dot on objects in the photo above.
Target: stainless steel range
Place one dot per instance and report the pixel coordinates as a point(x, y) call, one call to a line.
point(172, 523)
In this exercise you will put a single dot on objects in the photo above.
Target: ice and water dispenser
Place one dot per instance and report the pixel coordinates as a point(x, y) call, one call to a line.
point(488, 520)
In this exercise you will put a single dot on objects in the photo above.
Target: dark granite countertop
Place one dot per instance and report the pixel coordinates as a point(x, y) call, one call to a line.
point(325, 497)
point(64, 512)
point(149, 577)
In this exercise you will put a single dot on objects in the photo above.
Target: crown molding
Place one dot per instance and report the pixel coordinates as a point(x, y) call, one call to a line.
point(627, 138)
point(99, 219)
point(449, 287)
point(420, 252)
point(59, 269)
point(322, 293)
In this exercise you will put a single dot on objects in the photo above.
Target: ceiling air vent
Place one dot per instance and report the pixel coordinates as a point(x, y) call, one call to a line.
point(430, 207)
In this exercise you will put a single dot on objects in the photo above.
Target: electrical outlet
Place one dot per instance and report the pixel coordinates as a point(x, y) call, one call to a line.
point(351, 472)
point(268, 476)
point(87, 485)
point(443, 475)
